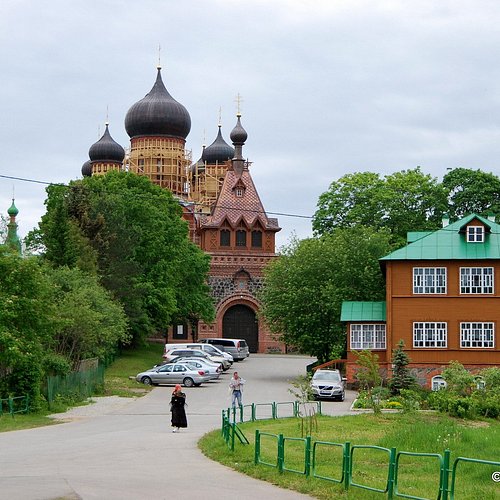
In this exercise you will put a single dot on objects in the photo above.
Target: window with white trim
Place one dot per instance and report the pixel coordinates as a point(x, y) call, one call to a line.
point(477, 335)
point(476, 280)
point(365, 336)
point(475, 234)
point(438, 383)
point(429, 280)
point(429, 334)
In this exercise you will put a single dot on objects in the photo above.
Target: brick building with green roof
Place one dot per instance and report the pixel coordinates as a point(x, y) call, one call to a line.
point(442, 300)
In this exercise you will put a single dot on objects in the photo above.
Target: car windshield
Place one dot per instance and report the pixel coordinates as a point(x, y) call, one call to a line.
point(331, 376)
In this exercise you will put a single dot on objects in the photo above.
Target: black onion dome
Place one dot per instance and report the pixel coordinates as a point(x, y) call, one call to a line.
point(218, 151)
point(238, 134)
point(158, 113)
point(87, 169)
point(106, 149)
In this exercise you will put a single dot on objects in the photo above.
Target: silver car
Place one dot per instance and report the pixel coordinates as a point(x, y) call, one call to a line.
point(212, 370)
point(178, 373)
point(328, 384)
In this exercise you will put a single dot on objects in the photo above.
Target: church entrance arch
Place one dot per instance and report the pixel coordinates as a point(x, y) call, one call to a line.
point(240, 322)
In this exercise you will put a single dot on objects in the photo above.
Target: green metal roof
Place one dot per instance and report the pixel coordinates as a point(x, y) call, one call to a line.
point(412, 236)
point(363, 311)
point(449, 243)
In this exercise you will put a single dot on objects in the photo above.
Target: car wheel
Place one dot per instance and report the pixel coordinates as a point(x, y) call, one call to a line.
point(146, 381)
point(188, 382)
point(342, 397)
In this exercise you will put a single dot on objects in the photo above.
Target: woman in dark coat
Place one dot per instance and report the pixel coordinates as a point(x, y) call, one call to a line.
point(177, 404)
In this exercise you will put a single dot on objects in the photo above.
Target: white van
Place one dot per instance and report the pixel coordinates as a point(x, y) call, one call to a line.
point(238, 348)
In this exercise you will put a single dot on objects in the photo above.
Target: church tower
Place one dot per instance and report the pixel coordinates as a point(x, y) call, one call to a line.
point(12, 240)
point(105, 155)
point(240, 238)
point(207, 174)
point(158, 126)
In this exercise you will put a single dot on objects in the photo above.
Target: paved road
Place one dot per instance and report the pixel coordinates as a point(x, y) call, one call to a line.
point(124, 449)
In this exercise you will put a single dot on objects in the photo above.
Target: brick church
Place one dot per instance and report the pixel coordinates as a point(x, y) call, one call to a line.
point(220, 202)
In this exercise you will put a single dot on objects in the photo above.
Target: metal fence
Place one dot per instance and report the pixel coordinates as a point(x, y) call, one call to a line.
point(13, 405)
point(349, 462)
point(260, 411)
point(339, 463)
point(79, 385)
point(266, 411)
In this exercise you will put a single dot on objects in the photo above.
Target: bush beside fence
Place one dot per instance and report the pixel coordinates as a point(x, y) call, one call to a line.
point(81, 384)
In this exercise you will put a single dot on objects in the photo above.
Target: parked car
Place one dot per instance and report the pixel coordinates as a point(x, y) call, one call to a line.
point(206, 362)
point(238, 348)
point(208, 348)
point(212, 370)
point(213, 351)
point(172, 352)
point(178, 373)
point(328, 384)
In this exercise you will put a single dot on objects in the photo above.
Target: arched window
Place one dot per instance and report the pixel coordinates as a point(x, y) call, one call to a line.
point(225, 238)
point(257, 239)
point(241, 238)
point(438, 383)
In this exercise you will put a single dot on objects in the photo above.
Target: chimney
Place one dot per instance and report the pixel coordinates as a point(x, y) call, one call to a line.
point(491, 216)
point(446, 220)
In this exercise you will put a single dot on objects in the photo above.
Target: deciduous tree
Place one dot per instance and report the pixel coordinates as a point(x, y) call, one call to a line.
point(305, 287)
point(472, 191)
point(404, 201)
point(131, 230)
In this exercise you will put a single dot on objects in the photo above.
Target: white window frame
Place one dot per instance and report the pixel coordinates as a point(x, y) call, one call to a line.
point(477, 335)
point(430, 280)
point(430, 334)
point(438, 383)
point(365, 336)
point(475, 234)
point(477, 280)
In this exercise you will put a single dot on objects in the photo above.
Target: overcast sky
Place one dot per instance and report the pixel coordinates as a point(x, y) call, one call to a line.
point(329, 87)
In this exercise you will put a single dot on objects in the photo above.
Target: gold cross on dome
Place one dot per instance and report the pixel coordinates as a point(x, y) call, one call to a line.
point(238, 102)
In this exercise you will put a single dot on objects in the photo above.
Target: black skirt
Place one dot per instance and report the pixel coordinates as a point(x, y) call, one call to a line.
point(177, 405)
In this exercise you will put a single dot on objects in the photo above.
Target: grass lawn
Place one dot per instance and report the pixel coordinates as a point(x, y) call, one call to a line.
point(21, 421)
point(117, 380)
point(418, 476)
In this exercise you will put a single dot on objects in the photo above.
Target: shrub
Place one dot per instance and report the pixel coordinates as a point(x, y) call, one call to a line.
point(488, 406)
point(56, 364)
point(410, 400)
